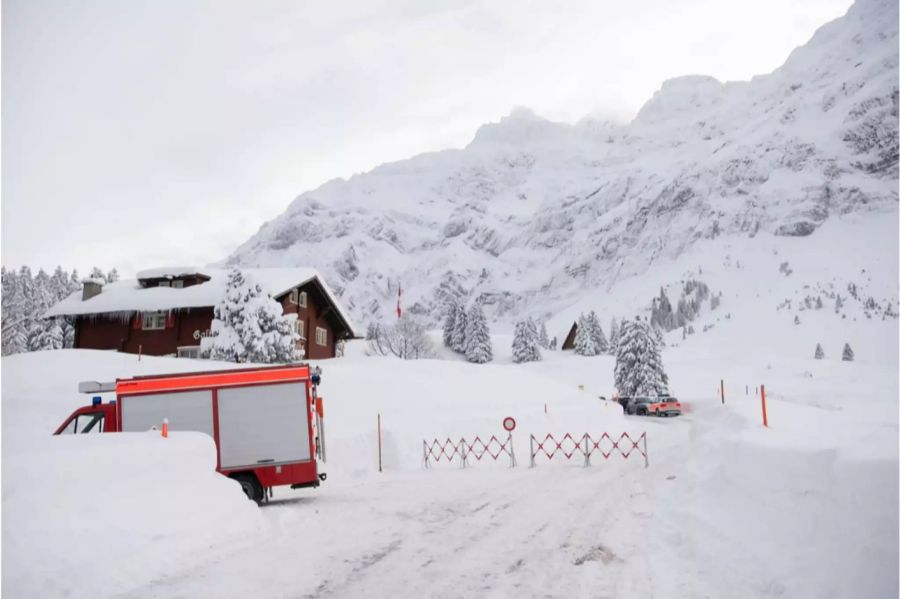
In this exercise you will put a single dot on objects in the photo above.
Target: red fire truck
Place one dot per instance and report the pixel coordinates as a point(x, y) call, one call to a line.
point(267, 423)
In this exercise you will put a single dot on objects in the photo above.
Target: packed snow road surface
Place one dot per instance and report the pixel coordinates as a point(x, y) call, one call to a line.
point(805, 508)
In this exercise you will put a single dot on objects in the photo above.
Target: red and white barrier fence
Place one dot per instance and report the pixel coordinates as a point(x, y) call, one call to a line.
point(586, 446)
point(464, 450)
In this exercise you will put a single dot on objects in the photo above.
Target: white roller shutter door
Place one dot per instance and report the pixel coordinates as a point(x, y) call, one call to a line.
point(263, 424)
point(186, 411)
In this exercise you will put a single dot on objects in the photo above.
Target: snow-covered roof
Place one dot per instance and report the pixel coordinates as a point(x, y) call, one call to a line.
point(127, 295)
point(168, 271)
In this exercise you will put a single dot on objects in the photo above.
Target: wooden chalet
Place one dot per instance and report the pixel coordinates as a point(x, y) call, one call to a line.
point(168, 311)
point(569, 341)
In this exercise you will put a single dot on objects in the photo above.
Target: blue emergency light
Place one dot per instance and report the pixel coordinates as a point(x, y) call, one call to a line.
point(96, 400)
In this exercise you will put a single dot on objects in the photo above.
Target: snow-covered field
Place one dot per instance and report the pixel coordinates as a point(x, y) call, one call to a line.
point(805, 508)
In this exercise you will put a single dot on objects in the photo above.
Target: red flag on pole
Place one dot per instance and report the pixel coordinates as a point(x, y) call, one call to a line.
point(399, 290)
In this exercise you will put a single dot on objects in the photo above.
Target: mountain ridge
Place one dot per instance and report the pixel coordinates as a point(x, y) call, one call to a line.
point(532, 213)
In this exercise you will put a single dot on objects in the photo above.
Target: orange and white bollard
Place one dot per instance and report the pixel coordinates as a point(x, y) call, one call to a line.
point(165, 428)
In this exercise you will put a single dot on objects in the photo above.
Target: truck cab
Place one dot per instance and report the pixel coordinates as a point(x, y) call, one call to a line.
point(96, 418)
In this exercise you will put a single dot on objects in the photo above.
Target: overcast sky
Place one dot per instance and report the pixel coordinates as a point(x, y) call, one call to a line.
point(138, 134)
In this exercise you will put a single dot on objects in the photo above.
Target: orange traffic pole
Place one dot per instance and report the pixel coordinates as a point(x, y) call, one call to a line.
point(722, 389)
point(762, 389)
point(379, 442)
point(165, 428)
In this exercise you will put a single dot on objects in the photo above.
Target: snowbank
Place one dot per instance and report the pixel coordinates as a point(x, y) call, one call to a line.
point(86, 514)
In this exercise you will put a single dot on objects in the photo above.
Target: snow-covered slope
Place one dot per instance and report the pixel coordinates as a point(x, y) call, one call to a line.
point(532, 214)
point(804, 508)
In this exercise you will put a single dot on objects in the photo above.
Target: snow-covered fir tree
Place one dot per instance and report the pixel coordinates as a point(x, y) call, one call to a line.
point(458, 338)
point(112, 276)
point(847, 355)
point(250, 326)
point(449, 323)
point(543, 340)
point(613, 335)
point(26, 299)
point(371, 331)
point(820, 353)
point(658, 336)
point(584, 342)
point(553, 344)
point(269, 337)
point(98, 275)
point(639, 370)
point(601, 345)
point(661, 314)
point(525, 346)
point(478, 337)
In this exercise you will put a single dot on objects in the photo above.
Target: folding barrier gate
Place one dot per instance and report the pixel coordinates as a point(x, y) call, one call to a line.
point(463, 450)
point(568, 447)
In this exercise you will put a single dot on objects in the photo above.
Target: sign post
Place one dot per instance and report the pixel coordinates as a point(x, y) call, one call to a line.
point(509, 425)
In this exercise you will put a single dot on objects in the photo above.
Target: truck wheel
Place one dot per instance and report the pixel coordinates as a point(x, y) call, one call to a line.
point(250, 486)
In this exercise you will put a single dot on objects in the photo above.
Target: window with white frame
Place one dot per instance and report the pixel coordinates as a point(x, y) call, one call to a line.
point(321, 336)
point(302, 298)
point(189, 351)
point(292, 298)
point(178, 284)
point(163, 284)
point(154, 321)
point(299, 328)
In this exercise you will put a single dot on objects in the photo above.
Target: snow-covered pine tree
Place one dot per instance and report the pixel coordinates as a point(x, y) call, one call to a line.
point(525, 342)
point(543, 340)
point(584, 342)
point(449, 323)
point(601, 345)
point(519, 351)
point(613, 335)
point(40, 303)
point(96, 273)
point(658, 336)
point(269, 336)
point(639, 370)
point(113, 276)
point(820, 353)
point(478, 336)
point(796, 319)
point(225, 341)
point(848, 354)
point(458, 339)
point(553, 344)
point(661, 312)
point(372, 331)
point(838, 304)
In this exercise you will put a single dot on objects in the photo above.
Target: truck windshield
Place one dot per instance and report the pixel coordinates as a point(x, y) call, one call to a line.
point(85, 423)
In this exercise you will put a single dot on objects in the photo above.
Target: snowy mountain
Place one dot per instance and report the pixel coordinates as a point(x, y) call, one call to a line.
point(533, 215)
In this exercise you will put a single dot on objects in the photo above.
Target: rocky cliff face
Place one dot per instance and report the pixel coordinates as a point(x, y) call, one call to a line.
point(532, 212)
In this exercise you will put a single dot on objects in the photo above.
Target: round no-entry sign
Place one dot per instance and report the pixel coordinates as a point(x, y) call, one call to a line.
point(509, 423)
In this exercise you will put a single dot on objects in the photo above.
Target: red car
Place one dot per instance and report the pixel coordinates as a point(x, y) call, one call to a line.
point(664, 406)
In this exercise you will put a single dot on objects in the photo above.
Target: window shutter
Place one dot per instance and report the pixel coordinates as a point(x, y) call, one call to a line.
point(138, 321)
point(170, 320)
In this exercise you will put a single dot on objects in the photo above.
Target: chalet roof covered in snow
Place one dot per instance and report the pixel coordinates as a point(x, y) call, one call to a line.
point(127, 295)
